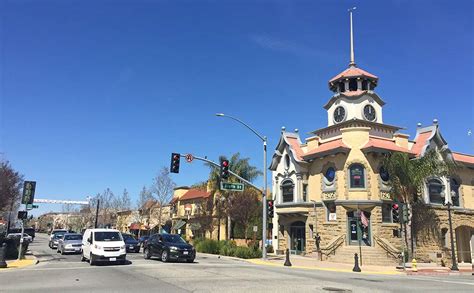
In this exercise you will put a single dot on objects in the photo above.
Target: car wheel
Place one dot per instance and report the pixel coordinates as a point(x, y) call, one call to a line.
point(190, 260)
point(91, 261)
point(82, 257)
point(146, 253)
point(164, 256)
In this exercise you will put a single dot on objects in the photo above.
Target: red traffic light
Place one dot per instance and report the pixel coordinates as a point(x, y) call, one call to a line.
point(395, 206)
point(225, 163)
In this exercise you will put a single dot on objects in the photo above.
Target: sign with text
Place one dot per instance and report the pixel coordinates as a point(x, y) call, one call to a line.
point(232, 186)
point(28, 192)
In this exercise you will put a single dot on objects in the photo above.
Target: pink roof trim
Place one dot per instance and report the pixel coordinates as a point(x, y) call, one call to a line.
point(353, 72)
point(295, 145)
point(385, 144)
point(463, 158)
point(337, 143)
point(420, 142)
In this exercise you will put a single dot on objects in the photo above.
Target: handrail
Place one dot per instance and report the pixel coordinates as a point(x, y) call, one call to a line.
point(387, 246)
point(333, 244)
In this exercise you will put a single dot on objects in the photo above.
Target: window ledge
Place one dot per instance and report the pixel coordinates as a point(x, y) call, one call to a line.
point(393, 225)
point(357, 189)
point(330, 223)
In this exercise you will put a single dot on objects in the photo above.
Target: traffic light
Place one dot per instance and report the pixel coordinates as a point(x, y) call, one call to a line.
point(406, 213)
point(22, 215)
point(270, 209)
point(395, 213)
point(224, 169)
point(28, 192)
point(175, 163)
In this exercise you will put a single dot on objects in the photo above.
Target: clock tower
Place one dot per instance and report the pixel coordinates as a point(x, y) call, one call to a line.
point(354, 97)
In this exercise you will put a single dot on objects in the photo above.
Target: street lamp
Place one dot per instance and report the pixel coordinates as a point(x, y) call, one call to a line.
point(264, 196)
point(454, 267)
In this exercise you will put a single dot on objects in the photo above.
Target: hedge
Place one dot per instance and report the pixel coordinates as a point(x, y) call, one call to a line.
point(227, 248)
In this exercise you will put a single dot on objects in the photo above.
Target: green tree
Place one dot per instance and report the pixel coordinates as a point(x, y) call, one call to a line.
point(407, 177)
point(239, 166)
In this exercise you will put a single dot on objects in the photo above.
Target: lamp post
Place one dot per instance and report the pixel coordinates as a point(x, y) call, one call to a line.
point(454, 267)
point(264, 196)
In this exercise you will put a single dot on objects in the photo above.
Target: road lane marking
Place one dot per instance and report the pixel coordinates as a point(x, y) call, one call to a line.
point(444, 281)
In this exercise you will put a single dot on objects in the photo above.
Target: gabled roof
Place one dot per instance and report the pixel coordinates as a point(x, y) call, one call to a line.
point(327, 148)
point(353, 71)
point(384, 145)
point(194, 194)
point(287, 139)
point(424, 137)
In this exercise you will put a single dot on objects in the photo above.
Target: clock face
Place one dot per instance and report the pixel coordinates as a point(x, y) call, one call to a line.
point(369, 113)
point(339, 114)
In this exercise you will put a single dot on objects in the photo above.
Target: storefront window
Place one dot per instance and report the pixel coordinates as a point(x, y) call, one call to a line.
point(387, 213)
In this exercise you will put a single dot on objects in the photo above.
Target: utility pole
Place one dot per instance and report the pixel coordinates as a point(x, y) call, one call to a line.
point(97, 213)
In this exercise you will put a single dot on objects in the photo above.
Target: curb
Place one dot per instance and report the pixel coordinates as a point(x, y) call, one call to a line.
point(19, 264)
point(266, 263)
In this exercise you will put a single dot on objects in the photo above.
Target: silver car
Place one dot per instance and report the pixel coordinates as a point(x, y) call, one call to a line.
point(70, 242)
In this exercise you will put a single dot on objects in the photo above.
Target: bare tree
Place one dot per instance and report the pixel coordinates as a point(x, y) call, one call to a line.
point(10, 185)
point(162, 188)
point(245, 208)
point(144, 196)
point(122, 203)
point(142, 206)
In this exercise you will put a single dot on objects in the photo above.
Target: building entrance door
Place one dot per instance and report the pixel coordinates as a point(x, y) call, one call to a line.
point(297, 237)
point(356, 230)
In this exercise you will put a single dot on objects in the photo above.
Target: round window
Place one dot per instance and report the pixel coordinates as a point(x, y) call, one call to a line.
point(330, 174)
point(384, 174)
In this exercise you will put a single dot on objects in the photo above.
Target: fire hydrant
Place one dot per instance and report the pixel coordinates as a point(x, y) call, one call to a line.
point(413, 266)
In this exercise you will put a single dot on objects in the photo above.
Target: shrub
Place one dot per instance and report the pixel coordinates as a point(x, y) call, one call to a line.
point(227, 247)
point(270, 249)
point(245, 252)
point(208, 246)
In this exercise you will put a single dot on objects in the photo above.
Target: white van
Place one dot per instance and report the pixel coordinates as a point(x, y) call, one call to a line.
point(103, 245)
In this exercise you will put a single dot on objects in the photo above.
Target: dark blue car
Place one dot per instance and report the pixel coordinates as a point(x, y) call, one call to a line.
point(131, 244)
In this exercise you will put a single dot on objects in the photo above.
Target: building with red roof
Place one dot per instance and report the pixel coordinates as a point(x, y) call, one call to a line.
point(323, 183)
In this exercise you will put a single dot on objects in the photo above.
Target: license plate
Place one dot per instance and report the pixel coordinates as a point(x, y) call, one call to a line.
point(131, 246)
point(113, 259)
point(77, 249)
point(186, 252)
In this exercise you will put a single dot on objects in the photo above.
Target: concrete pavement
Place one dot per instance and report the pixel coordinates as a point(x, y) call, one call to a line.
point(57, 273)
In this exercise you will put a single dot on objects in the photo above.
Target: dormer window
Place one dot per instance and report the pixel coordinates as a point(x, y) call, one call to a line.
point(365, 85)
point(342, 87)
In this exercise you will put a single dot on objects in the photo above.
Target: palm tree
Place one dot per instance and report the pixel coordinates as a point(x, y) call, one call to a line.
point(407, 177)
point(239, 166)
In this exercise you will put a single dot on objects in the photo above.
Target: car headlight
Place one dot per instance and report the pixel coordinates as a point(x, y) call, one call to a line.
point(173, 248)
point(68, 245)
point(122, 247)
point(97, 246)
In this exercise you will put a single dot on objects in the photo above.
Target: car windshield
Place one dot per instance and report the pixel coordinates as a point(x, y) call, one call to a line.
point(128, 237)
point(173, 238)
point(107, 236)
point(58, 235)
point(73, 237)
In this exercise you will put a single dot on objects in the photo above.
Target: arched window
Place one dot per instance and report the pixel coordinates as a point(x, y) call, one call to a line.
point(287, 190)
point(329, 176)
point(454, 191)
point(384, 174)
point(436, 191)
point(357, 176)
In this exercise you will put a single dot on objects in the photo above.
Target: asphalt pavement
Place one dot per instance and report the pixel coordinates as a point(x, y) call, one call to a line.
point(209, 273)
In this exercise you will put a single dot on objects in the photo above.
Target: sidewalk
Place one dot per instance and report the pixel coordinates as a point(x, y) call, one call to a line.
point(18, 264)
point(302, 262)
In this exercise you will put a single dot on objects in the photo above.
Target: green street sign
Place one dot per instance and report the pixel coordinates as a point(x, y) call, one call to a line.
point(232, 186)
point(28, 192)
point(31, 206)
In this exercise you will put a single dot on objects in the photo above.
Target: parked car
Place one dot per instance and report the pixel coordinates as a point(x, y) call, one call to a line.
point(29, 231)
point(62, 231)
point(26, 237)
point(142, 240)
point(103, 245)
point(70, 242)
point(53, 243)
point(169, 247)
point(131, 244)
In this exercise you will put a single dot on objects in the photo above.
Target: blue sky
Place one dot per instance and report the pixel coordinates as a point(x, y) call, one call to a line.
point(97, 94)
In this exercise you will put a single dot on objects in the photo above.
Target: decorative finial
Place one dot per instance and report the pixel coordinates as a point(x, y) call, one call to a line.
point(296, 130)
point(352, 63)
point(283, 129)
point(435, 121)
point(418, 125)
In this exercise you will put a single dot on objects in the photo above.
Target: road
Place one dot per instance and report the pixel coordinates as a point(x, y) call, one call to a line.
point(57, 273)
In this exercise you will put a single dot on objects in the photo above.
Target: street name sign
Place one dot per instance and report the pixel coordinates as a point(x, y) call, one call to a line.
point(232, 186)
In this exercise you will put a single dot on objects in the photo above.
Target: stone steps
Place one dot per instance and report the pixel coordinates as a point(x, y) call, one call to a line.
point(372, 255)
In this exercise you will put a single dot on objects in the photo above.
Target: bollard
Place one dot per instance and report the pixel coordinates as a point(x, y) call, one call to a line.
point(413, 266)
point(3, 250)
point(356, 263)
point(287, 261)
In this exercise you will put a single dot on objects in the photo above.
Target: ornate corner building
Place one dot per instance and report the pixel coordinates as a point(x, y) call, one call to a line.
point(321, 183)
